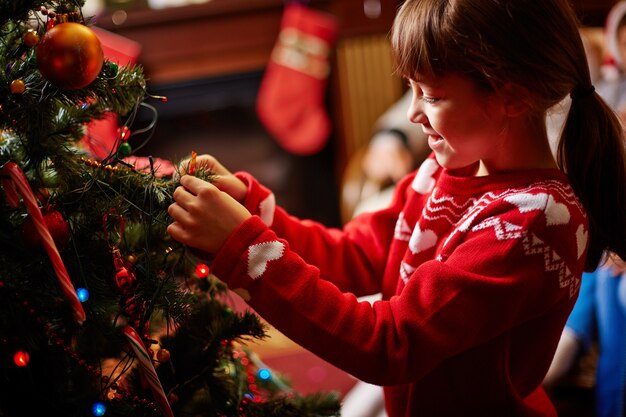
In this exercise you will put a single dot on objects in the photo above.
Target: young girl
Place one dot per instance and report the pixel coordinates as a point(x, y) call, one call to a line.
point(480, 253)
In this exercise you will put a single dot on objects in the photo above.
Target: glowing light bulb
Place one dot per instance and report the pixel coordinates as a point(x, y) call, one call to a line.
point(123, 133)
point(202, 270)
point(264, 374)
point(21, 358)
point(98, 409)
point(83, 294)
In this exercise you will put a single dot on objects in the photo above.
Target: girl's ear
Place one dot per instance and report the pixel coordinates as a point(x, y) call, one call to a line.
point(516, 99)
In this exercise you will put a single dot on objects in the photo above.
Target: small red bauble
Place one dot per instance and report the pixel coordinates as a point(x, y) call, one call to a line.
point(57, 226)
point(70, 56)
point(163, 355)
point(124, 279)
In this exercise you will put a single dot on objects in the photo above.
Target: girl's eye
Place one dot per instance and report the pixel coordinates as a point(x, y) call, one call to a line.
point(430, 100)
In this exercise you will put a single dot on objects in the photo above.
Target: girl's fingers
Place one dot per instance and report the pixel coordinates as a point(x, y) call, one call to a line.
point(233, 186)
point(224, 180)
point(204, 216)
point(179, 214)
point(178, 232)
point(194, 185)
point(183, 197)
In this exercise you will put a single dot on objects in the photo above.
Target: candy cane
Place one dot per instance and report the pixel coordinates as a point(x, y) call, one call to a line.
point(145, 363)
point(17, 182)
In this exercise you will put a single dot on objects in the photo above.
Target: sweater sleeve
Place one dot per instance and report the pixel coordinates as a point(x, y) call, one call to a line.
point(486, 287)
point(353, 258)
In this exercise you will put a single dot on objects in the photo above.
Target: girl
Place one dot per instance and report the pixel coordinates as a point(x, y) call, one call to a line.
point(480, 253)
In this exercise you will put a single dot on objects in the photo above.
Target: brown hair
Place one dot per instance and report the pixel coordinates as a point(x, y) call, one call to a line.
point(536, 45)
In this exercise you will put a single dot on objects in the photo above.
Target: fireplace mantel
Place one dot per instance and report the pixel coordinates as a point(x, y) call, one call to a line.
point(223, 37)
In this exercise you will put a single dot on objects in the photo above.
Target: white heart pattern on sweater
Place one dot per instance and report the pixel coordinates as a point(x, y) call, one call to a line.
point(422, 239)
point(556, 213)
point(526, 202)
point(262, 253)
point(402, 230)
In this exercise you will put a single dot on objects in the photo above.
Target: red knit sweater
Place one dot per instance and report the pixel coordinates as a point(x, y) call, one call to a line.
point(478, 276)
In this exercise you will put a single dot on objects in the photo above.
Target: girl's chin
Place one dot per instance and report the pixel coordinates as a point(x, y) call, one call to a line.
point(457, 169)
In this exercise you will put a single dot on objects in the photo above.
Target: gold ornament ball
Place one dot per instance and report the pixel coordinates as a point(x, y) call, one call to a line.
point(18, 87)
point(70, 56)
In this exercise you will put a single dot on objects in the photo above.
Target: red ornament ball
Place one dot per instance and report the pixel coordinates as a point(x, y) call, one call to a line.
point(70, 56)
point(57, 226)
point(163, 355)
point(124, 278)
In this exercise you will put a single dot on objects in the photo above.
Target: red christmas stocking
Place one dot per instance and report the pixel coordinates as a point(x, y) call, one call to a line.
point(290, 102)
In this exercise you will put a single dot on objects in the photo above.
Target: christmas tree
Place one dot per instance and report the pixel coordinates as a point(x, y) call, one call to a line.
point(100, 312)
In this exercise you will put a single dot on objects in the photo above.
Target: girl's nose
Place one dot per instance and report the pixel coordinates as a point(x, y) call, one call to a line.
point(415, 112)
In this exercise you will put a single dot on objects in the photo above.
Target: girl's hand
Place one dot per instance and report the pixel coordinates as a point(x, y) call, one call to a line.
point(224, 179)
point(204, 216)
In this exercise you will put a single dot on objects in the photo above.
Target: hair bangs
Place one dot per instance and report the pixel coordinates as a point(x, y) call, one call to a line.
point(419, 38)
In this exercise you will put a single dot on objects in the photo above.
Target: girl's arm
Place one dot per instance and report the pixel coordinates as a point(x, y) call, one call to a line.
point(353, 258)
point(496, 293)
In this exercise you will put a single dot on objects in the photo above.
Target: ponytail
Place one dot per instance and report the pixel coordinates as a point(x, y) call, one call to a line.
point(592, 153)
